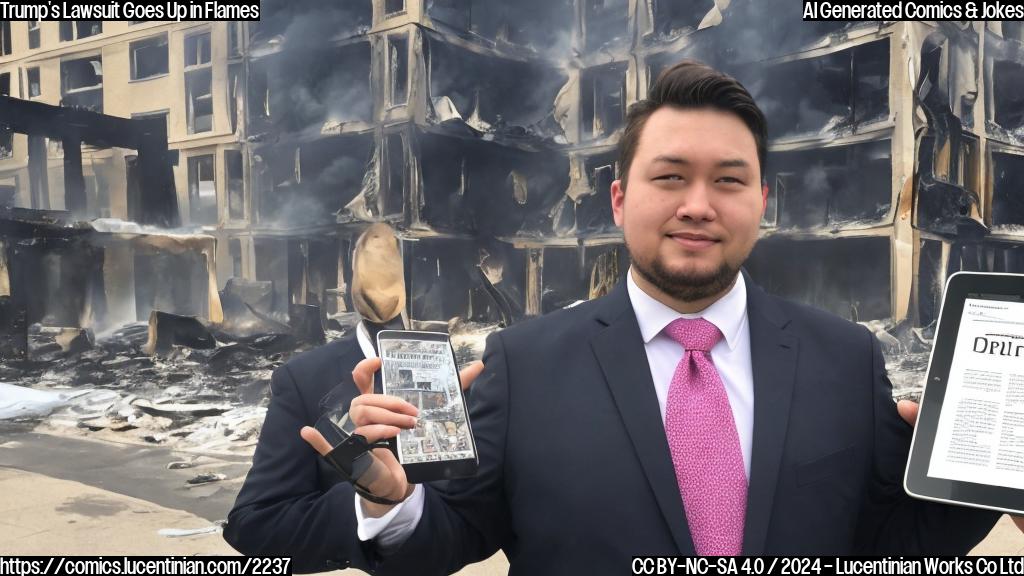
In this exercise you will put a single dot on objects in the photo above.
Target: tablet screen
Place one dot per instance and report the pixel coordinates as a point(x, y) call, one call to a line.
point(980, 433)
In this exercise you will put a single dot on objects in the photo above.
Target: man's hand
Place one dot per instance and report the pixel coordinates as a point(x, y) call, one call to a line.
point(908, 411)
point(379, 417)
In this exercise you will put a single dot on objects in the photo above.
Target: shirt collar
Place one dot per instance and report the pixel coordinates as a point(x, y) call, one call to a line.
point(727, 313)
point(365, 344)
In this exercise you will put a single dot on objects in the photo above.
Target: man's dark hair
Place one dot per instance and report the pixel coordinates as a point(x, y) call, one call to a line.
point(692, 84)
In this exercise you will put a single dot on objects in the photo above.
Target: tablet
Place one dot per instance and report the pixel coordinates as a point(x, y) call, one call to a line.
point(968, 445)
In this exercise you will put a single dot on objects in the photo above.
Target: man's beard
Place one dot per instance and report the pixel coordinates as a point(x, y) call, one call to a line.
point(682, 286)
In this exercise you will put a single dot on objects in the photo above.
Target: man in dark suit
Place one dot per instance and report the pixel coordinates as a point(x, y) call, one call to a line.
point(686, 412)
point(293, 503)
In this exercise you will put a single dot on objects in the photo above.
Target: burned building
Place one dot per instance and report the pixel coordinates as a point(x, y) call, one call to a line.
point(163, 73)
point(59, 264)
point(487, 132)
point(436, 117)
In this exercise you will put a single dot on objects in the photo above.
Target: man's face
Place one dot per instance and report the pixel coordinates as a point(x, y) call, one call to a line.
point(693, 209)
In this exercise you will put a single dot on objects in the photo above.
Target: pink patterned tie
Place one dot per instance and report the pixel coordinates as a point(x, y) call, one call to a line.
point(704, 444)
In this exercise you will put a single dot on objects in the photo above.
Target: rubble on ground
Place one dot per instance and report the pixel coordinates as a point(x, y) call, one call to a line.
point(141, 384)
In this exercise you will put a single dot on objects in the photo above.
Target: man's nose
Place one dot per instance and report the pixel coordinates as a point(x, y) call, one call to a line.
point(695, 203)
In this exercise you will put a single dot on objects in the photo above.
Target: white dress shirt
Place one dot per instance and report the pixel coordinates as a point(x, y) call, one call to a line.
point(731, 356)
point(401, 520)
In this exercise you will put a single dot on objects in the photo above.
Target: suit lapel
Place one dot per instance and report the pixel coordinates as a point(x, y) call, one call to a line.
point(341, 395)
point(619, 349)
point(773, 356)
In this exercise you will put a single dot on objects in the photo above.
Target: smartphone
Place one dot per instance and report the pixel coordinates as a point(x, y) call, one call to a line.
point(420, 368)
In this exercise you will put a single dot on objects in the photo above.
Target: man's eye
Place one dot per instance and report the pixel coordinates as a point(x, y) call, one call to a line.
point(730, 180)
point(669, 177)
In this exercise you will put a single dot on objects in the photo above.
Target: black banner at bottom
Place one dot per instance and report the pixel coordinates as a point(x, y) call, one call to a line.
point(814, 565)
point(144, 565)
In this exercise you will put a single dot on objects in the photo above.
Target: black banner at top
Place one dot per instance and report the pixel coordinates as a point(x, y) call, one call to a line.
point(166, 11)
point(890, 10)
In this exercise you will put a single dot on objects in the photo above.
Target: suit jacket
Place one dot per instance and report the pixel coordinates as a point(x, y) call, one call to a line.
point(576, 476)
point(292, 502)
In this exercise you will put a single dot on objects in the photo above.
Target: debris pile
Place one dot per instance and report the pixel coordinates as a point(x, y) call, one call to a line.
point(172, 382)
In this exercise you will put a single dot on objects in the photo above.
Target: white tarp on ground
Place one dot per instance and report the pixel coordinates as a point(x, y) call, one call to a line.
point(22, 402)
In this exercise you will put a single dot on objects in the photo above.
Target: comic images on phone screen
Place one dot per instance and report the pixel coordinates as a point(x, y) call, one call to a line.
point(423, 373)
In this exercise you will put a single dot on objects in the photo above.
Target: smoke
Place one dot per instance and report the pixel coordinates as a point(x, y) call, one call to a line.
point(504, 92)
point(304, 24)
point(543, 26)
point(307, 185)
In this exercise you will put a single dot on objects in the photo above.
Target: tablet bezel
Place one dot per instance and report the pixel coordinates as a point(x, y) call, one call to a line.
point(916, 481)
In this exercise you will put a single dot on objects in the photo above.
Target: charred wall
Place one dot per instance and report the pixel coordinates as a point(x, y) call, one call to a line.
point(311, 21)
point(303, 88)
point(303, 184)
point(485, 131)
point(488, 189)
point(1007, 184)
point(543, 25)
point(175, 283)
point(832, 92)
point(571, 274)
point(849, 278)
point(490, 91)
point(832, 187)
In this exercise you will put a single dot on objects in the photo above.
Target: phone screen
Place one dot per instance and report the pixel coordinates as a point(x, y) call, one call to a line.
point(423, 373)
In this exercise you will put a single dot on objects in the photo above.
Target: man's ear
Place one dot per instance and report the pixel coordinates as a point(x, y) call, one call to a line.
point(618, 193)
point(764, 198)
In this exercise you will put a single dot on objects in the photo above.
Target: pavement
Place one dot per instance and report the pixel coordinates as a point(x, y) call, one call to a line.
point(71, 496)
point(40, 515)
point(66, 496)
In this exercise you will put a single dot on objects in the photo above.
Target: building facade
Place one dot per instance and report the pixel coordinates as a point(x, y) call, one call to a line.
point(486, 132)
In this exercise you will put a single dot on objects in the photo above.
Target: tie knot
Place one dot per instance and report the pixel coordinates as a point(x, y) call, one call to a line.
point(694, 333)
